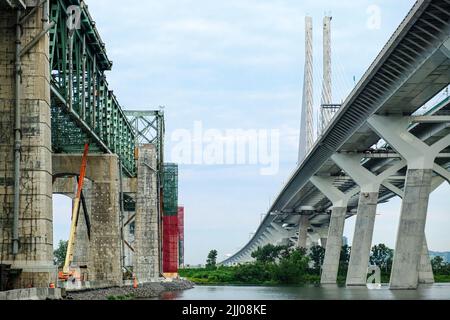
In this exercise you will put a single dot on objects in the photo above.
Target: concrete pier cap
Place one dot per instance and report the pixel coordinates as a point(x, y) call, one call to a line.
point(411, 264)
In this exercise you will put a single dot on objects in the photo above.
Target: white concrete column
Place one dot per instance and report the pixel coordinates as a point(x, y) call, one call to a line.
point(420, 158)
point(425, 270)
point(303, 231)
point(322, 234)
point(426, 275)
point(365, 218)
point(314, 239)
point(336, 228)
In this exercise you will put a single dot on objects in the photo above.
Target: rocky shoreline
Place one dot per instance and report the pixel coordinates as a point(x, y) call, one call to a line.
point(147, 290)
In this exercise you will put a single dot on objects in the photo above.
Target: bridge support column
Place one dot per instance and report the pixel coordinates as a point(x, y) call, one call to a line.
point(104, 247)
point(303, 231)
point(30, 228)
point(313, 239)
point(336, 228)
point(322, 234)
point(365, 218)
point(105, 232)
point(426, 275)
point(146, 255)
point(420, 158)
point(410, 237)
point(425, 270)
point(362, 239)
point(81, 247)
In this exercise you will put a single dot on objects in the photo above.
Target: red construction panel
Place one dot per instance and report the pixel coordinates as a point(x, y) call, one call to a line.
point(170, 244)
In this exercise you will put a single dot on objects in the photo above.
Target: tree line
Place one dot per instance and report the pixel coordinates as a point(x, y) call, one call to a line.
point(287, 265)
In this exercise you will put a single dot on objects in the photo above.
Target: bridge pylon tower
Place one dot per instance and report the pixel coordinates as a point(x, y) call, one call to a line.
point(307, 115)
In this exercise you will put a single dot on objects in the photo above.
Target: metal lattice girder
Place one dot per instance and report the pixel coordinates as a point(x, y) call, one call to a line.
point(83, 107)
point(170, 187)
point(149, 127)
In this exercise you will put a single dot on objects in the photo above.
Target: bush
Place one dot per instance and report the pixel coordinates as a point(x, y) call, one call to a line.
point(292, 269)
point(255, 273)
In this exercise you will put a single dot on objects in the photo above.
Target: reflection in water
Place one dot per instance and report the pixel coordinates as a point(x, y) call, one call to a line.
point(426, 292)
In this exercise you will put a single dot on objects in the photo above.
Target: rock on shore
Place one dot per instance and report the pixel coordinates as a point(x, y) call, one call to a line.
point(147, 290)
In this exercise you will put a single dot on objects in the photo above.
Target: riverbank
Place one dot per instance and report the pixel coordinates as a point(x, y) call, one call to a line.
point(255, 275)
point(147, 290)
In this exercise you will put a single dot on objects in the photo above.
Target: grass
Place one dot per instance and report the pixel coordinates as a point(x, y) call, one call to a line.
point(442, 278)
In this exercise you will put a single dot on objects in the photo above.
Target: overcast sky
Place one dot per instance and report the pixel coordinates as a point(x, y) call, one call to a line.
point(238, 64)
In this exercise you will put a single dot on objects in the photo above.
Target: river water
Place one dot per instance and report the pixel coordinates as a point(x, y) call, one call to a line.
point(428, 292)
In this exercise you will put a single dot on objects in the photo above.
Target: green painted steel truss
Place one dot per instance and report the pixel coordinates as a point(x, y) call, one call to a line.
point(83, 108)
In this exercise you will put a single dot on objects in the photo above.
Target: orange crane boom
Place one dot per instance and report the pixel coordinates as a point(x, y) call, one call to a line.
point(76, 205)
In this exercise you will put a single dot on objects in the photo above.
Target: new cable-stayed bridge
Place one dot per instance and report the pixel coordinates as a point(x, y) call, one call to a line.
point(348, 171)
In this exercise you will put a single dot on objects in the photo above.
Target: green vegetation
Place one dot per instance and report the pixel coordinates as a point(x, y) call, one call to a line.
point(441, 269)
point(282, 265)
point(273, 265)
point(59, 255)
point(382, 256)
point(212, 260)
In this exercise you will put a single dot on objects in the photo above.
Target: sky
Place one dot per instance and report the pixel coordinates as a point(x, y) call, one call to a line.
point(221, 66)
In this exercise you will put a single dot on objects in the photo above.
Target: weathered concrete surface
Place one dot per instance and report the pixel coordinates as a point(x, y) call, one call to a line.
point(333, 246)
point(35, 256)
point(362, 239)
point(129, 185)
point(146, 255)
point(129, 237)
point(104, 252)
point(303, 231)
point(425, 270)
point(81, 250)
point(32, 294)
point(410, 237)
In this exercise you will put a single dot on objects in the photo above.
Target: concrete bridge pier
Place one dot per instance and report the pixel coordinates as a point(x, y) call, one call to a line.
point(146, 255)
point(104, 248)
point(313, 239)
point(336, 229)
point(26, 219)
point(369, 184)
point(303, 231)
point(421, 163)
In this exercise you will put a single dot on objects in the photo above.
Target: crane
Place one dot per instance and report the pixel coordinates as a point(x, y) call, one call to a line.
point(65, 274)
